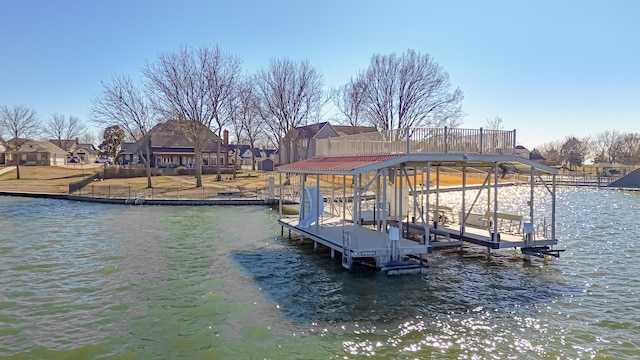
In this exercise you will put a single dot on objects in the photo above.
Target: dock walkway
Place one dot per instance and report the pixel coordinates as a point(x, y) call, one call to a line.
point(364, 242)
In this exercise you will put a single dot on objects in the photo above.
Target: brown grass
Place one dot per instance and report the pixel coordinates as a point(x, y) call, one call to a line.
point(50, 179)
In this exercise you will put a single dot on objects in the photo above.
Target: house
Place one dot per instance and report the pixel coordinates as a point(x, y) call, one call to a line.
point(33, 152)
point(170, 148)
point(127, 154)
point(236, 151)
point(246, 155)
point(67, 145)
point(300, 142)
point(87, 153)
point(3, 149)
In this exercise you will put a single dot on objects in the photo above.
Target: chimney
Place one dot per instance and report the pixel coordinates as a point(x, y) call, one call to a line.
point(225, 134)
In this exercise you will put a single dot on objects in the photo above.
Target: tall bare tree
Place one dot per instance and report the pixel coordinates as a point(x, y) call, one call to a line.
point(289, 93)
point(192, 85)
point(123, 103)
point(19, 124)
point(245, 117)
point(234, 111)
point(60, 127)
point(252, 125)
point(349, 100)
point(406, 90)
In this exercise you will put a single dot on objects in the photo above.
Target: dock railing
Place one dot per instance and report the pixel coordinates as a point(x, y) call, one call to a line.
point(420, 140)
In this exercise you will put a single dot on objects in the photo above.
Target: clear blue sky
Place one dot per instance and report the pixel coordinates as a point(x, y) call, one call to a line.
point(548, 68)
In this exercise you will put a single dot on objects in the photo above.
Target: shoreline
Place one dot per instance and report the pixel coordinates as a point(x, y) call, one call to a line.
point(124, 201)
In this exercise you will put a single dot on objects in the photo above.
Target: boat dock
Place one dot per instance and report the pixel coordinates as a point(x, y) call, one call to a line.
point(395, 216)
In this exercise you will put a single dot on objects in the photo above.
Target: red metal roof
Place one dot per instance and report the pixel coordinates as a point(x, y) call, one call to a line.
point(336, 163)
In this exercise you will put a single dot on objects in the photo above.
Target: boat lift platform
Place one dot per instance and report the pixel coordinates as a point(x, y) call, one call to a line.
point(354, 242)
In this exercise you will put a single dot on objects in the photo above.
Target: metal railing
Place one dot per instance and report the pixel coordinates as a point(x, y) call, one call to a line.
point(420, 140)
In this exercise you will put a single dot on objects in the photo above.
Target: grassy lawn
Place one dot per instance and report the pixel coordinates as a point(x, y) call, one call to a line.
point(50, 179)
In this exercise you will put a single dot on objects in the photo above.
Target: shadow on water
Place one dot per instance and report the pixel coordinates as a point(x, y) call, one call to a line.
point(310, 287)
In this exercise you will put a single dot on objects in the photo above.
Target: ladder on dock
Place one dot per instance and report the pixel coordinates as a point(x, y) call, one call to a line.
point(347, 261)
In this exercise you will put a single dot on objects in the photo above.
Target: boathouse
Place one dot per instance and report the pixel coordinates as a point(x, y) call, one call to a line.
point(375, 198)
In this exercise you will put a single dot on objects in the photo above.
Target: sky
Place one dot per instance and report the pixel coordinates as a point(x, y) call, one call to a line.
point(549, 69)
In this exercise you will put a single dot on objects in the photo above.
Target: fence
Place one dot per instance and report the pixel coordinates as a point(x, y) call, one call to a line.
point(78, 185)
point(420, 140)
point(97, 190)
point(580, 180)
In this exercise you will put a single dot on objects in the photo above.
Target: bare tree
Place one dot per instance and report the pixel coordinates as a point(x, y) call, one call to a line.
point(19, 124)
point(630, 149)
point(573, 151)
point(124, 104)
point(551, 151)
point(88, 137)
point(410, 90)
point(252, 125)
point(494, 123)
point(289, 94)
point(245, 116)
point(234, 111)
point(607, 145)
point(60, 127)
point(192, 85)
point(349, 100)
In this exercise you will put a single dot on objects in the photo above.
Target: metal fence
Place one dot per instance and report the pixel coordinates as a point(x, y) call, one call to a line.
point(420, 140)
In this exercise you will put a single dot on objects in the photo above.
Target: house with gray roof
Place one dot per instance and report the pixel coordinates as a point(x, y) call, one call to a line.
point(33, 152)
point(170, 147)
point(300, 142)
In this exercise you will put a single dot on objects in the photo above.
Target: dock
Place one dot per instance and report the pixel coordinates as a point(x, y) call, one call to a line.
point(395, 215)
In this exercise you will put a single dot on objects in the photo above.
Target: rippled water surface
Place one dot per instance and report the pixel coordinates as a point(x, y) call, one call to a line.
point(80, 280)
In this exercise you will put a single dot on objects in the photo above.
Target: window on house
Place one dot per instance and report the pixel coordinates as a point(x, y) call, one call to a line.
point(205, 159)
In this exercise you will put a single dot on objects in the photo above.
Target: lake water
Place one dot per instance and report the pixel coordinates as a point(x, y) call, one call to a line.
point(82, 280)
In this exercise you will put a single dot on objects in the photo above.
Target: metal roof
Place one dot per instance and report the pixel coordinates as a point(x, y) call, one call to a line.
point(351, 165)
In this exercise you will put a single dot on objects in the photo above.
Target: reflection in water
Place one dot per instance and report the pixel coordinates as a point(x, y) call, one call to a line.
point(85, 280)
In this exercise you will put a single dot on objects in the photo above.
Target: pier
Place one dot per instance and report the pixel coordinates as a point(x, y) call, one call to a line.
point(394, 216)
